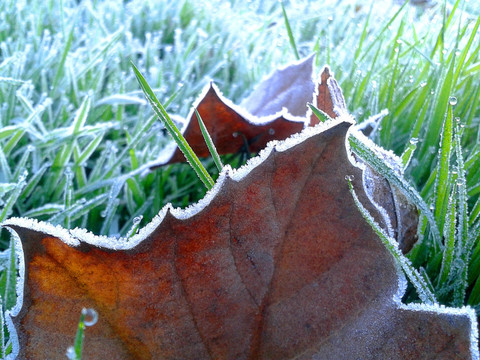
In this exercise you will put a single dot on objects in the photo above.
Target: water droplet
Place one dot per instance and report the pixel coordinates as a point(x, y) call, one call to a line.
point(271, 131)
point(431, 207)
point(330, 18)
point(71, 353)
point(457, 119)
point(460, 182)
point(235, 134)
point(396, 50)
point(137, 219)
point(432, 92)
point(444, 51)
point(103, 213)
point(349, 177)
point(452, 100)
point(423, 84)
point(91, 316)
point(414, 141)
point(30, 148)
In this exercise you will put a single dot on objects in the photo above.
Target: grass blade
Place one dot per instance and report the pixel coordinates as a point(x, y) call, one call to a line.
point(420, 284)
point(173, 131)
point(209, 142)
point(443, 168)
point(379, 165)
point(290, 34)
point(449, 236)
point(464, 242)
point(319, 113)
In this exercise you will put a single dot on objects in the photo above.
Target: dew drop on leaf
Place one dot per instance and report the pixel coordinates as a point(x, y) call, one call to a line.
point(91, 316)
point(71, 355)
point(452, 100)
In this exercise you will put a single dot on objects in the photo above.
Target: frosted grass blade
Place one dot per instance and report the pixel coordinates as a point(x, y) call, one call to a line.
point(13, 198)
point(408, 153)
point(377, 163)
point(81, 116)
point(209, 142)
point(464, 242)
point(443, 167)
point(420, 284)
point(449, 236)
point(173, 131)
point(289, 32)
point(319, 113)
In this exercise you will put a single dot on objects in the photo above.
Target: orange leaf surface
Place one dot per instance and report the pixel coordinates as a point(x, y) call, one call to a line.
point(276, 262)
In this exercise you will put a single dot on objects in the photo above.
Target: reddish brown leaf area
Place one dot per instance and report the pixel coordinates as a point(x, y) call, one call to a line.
point(276, 109)
point(231, 131)
point(278, 265)
point(329, 97)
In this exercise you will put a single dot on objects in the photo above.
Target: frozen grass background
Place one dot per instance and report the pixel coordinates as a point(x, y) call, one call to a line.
point(73, 120)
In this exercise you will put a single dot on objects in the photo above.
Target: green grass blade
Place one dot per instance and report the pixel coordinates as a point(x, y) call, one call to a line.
point(377, 163)
point(61, 64)
point(420, 284)
point(443, 167)
point(173, 131)
point(322, 116)
point(81, 116)
point(464, 242)
point(408, 153)
point(289, 31)
point(449, 236)
point(75, 352)
point(7, 208)
point(379, 35)
point(465, 50)
point(209, 142)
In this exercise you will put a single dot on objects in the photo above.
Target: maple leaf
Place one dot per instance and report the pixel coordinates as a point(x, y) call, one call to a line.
point(276, 262)
point(276, 109)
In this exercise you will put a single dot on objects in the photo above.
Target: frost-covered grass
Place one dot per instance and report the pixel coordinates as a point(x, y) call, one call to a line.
point(73, 121)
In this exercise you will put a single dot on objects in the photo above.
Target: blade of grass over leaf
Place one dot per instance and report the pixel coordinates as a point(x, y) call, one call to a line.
point(322, 116)
point(289, 31)
point(377, 163)
point(209, 142)
point(413, 275)
point(173, 130)
point(75, 352)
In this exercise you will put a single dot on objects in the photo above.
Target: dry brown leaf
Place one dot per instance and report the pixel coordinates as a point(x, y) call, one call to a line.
point(276, 109)
point(275, 263)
